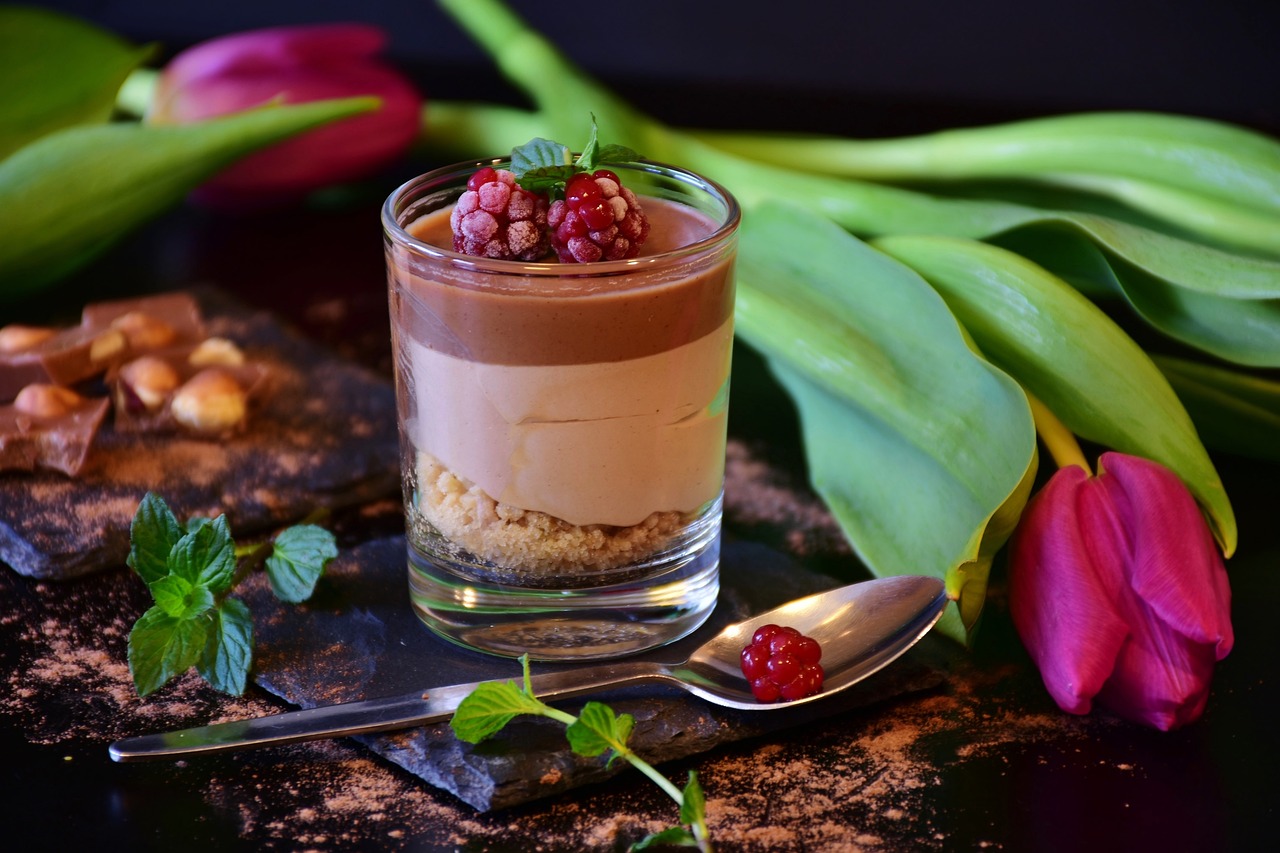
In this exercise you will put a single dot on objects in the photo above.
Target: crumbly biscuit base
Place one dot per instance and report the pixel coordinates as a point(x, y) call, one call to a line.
point(528, 540)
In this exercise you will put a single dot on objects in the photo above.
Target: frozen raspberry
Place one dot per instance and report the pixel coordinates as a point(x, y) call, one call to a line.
point(598, 219)
point(782, 663)
point(495, 218)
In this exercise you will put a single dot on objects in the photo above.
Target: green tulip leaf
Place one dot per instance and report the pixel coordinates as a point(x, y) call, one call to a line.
point(1209, 177)
point(918, 446)
point(57, 72)
point(1221, 303)
point(1065, 351)
point(70, 194)
point(1233, 411)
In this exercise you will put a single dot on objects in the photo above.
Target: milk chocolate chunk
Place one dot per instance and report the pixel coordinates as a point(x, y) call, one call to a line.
point(48, 426)
point(109, 333)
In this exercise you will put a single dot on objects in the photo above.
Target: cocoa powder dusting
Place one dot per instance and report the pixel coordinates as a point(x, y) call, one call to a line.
point(762, 500)
point(869, 780)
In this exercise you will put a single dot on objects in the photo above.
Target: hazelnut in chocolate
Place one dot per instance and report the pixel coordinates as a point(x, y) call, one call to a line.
point(204, 389)
point(50, 427)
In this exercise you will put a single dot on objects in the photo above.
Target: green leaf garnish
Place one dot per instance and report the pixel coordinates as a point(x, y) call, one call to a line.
point(228, 653)
point(488, 709)
point(190, 573)
point(162, 647)
point(491, 705)
point(587, 159)
point(694, 804)
point(543, 166)
point(152, 535)
point(298, 559)
point(206, 555)
point(598, 729)
point(180, 598)
point(616, 154)
point(540, 165)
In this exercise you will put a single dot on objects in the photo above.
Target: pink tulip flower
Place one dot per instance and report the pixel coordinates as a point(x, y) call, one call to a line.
point(1119, 593)
point(293, 65)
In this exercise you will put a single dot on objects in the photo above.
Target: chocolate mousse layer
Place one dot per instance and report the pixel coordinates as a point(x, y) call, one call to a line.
point(536, 314)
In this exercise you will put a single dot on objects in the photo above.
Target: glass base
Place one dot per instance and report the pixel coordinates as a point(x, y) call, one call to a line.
point(667, 603)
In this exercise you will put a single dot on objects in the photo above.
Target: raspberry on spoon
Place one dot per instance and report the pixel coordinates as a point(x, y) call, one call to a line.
point(782, 664)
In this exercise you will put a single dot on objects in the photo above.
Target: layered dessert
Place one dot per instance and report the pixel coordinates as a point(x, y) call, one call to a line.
point(562, 420)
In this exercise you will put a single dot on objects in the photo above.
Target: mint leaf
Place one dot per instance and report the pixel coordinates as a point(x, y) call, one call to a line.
point(228, 652)
point(587, 159)
point(489, 707)
point(297, 560)
point(541, 165)
point(676, 836)
point(548, 179)
point(163, 646)
point(617, 154)
point(598, 729)
point(190, 570)
point(693, 805)
point(152, 535)
point(180, 598)
point(206, 556)
point(195, 522)
point(538, 154)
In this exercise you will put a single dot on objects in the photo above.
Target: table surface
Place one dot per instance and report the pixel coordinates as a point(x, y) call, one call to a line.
point(985, 760)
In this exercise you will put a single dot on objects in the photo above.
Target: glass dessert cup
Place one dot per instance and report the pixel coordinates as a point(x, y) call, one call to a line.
point(562, 426)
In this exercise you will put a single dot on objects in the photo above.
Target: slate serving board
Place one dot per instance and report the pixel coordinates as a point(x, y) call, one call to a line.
point(324, 436)
point(358, 638)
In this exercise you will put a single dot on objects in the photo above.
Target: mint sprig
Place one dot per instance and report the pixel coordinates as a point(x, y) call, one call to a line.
point(597, 730)
point(543, 166)
point(191, 572)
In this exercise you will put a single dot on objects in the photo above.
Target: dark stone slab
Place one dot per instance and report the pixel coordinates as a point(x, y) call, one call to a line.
point(324, 436)
point(358, 638)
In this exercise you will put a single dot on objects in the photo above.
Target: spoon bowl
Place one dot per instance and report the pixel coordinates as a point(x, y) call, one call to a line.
point(861, 628)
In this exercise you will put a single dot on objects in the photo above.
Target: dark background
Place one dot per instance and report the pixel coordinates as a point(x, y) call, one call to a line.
point(988, 58)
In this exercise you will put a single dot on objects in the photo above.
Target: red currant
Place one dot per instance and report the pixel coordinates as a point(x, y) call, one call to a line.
point(754, 663)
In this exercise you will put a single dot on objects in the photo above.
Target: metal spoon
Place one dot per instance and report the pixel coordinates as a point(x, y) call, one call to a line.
point(861, 628)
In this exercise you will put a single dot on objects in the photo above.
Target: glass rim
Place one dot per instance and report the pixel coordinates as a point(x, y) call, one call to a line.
point(392, 228)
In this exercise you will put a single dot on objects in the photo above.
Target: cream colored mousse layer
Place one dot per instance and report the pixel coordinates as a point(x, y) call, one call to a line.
point(553, 468)
point(548, 438)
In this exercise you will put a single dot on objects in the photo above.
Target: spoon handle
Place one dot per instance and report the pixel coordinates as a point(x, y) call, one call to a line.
point(370, 715)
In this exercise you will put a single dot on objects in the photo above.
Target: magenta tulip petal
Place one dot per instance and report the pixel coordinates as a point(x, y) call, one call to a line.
point(1055, 595)
point(293, 65)
point(1176, 568)
point(1119, 592)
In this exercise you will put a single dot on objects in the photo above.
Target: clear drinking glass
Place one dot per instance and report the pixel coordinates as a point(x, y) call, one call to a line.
point(562, 426)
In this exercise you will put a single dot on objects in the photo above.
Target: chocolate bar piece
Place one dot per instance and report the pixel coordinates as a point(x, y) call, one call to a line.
point(48, 426)
point(109, 333)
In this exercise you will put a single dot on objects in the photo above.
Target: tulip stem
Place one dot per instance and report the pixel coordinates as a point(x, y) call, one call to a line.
point(1057, 438)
